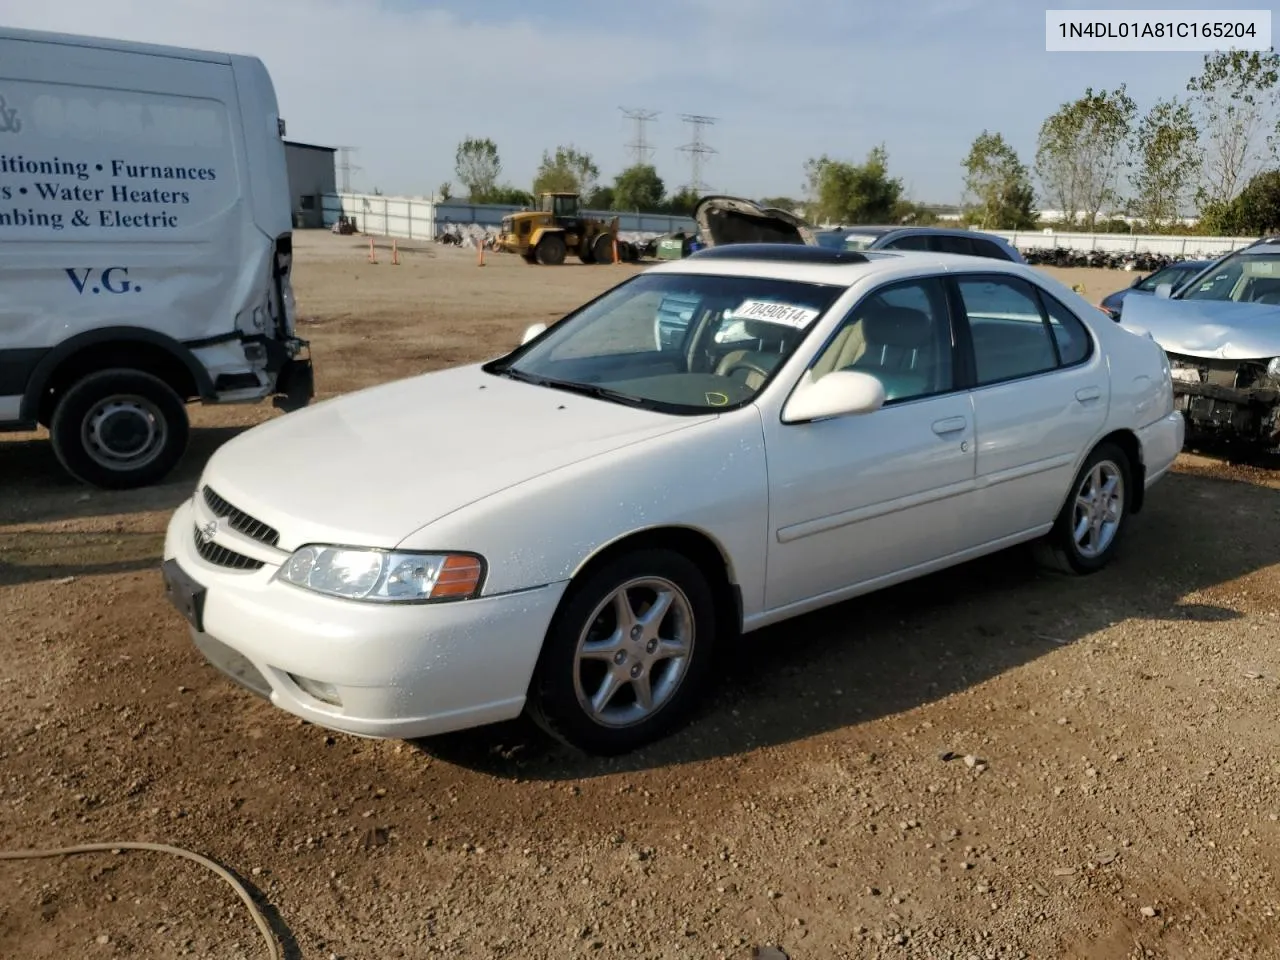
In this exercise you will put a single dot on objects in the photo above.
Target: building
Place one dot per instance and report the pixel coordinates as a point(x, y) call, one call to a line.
point(311, 176)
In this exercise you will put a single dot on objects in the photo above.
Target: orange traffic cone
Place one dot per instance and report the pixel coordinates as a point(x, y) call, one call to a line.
point(395, 253)
point(479, 253)
point(373, 257)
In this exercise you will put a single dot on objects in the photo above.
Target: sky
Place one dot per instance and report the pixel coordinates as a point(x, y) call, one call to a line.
point(404, 81)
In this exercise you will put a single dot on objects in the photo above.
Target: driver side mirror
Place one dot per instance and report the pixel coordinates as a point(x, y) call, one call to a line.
point(841, 393)
point(532, 331)
point(1138, 279)
point(1163, 291)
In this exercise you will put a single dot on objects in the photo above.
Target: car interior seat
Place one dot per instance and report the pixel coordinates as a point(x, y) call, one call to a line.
point(1264, 290)
point(895, 344)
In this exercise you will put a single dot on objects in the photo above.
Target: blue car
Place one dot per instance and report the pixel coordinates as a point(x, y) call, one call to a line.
point(1176, 274)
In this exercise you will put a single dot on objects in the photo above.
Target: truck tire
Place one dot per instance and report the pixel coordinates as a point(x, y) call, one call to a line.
point(119, 429)
point(602, 247)
point(551, 250)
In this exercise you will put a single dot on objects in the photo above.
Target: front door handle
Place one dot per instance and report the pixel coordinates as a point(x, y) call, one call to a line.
point(949, 425)
point(1085, 394)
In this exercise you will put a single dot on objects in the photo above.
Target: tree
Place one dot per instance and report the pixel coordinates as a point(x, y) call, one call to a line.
point(601, 198)
point(568, 171)
point(1255, 211)
point(477, 165)
point(916, 214)
point(1000, 185)
point(510, 196)
point(1259, 204)
point(851, 193)
point(782, 203)
point(1237, 97)
point(682, 203)
point(638, 188)
point(445, 191)
point(1081, 150)
point(1169, 157)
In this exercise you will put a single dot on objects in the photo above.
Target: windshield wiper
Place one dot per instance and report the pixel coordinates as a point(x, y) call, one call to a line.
point(586, 389)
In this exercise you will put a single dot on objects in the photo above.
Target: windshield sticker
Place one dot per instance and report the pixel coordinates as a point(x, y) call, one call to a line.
point(717, 399)
point(782, 313)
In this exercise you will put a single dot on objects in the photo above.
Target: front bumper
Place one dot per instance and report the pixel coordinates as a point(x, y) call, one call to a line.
point(1251, 414)
point(396, 671)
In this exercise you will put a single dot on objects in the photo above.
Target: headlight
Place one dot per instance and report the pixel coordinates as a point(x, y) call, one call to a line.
point(1273, 368)
point(385, 576)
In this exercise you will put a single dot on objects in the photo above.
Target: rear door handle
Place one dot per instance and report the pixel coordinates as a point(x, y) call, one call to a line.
point(1085, 394)
point(949, 425)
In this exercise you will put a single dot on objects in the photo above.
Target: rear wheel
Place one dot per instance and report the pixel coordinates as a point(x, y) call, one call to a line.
point(602, 247)
point(1086, 532)
point(627, 655)
point(551, 250)
point(119, 429)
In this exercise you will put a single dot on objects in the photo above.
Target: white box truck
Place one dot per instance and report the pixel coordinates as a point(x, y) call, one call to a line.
point(145, 248)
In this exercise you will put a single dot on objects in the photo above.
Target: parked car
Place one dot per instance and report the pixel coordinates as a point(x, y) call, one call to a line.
point(576, 528)
point(932, 239)
point(1145, 286)
point(1221, 330)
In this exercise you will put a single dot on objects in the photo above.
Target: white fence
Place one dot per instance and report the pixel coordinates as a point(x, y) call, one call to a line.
point(1189, 247)
point(417, 218)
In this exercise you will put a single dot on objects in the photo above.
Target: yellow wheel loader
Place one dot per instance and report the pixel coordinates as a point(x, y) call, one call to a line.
point(556, 229)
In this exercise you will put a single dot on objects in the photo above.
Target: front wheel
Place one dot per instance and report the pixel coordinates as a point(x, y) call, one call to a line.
point(602, 248)
point(627, 655)
point(119, 429)
point(1085, 534)
point(550, 250)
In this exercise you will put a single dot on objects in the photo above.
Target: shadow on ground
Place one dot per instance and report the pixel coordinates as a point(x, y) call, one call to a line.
point(895, 650)
point(38, 490)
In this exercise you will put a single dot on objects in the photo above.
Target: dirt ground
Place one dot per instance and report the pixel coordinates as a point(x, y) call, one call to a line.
point(1114, 792)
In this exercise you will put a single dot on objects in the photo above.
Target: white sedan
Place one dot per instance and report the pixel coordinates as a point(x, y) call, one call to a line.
point(574, 528)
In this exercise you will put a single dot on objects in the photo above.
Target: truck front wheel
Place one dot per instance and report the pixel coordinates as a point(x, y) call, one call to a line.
point(119, 429)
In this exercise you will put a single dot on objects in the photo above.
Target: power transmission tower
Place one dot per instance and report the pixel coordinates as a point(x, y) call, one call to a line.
point(346, 167)
point(639, 147)
point(697, 149)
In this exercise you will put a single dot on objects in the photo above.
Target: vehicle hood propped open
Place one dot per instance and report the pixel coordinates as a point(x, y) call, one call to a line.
point(724, 220)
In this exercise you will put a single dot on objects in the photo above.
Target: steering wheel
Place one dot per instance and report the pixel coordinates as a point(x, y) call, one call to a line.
point(747, 364)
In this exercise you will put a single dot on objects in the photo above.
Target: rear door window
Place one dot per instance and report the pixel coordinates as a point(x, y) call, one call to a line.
point(944, 243)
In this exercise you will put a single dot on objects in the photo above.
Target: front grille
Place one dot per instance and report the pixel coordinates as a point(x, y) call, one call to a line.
point(220, 556)
point(240, 521)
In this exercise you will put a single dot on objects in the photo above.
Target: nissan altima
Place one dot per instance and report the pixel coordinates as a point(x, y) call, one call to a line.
point(573, 529)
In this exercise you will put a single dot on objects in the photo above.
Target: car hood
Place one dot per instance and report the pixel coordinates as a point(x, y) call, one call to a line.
point(723, 220)
point(372, 467)
point(1218, 329)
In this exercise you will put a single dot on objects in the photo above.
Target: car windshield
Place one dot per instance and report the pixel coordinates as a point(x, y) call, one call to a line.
point(675, 342)
point(1175, 273)
point(859, 241)
point(1241, 278)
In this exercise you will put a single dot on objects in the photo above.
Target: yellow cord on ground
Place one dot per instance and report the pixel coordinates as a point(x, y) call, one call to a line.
point(258, 918)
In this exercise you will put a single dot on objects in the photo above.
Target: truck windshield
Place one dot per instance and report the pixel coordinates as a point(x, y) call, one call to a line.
point(677, 343)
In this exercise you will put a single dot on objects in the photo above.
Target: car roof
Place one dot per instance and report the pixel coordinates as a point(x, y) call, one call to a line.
point(884, 230)
point(824, 265)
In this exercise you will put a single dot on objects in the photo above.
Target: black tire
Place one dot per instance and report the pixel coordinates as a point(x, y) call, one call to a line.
point(551, 250)
point(531, 258)
point(602, 248)
point(585, 253)
point(1060, 550)
point(627, 251)
point(554, 701)
point(119, 429)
